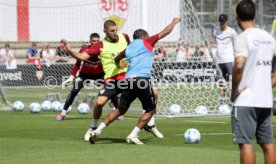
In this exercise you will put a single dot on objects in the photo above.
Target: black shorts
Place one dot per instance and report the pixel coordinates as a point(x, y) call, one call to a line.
point(140, 88)
point(110, 89)
point(226, 70)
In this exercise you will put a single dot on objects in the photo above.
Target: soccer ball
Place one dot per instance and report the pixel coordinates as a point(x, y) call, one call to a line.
point(46, 105)
point(56, 106)
point(202, 110)
point(83, 108)
point(18, 106)
point(175, 109)
point(224, 109)
point(68, 110)
point(35, 107)
point(192, 136)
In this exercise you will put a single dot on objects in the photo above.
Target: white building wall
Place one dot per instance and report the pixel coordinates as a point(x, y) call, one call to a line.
point(8, 20)
point(51, 20)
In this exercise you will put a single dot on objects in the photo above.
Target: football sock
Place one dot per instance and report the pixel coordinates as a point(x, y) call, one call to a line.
point(94, 123)
point(135, 132)
point(100, 128)
point(63, 112)
point(151, 122)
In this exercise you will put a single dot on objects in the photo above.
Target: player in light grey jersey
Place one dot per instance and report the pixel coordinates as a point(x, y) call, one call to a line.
point(252, 87)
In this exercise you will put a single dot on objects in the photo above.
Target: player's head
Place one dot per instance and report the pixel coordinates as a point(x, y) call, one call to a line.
point(223, 21)
point(245, 12)
point(94, 38)
point(140, 34)
point(7, 46)
point(63, 43)
point(110, 29)
point(33, 45)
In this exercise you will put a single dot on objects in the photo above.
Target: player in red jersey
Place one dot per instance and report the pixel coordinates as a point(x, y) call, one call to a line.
point(87, 71)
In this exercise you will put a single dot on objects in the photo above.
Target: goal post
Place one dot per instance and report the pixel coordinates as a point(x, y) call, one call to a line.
point(185, 70)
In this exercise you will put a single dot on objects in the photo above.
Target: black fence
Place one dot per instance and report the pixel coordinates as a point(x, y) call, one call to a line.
point(30, 75)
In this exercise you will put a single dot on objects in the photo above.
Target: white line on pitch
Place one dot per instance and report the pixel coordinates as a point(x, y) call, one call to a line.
point(212, 122)
point(209, 134)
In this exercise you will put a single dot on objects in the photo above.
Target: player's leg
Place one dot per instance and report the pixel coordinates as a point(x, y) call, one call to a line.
point(247, 154)
point(264, 135)
point(269, 153)
point(144, 91)
point(125, 101)
point(108, 91)
point(114, 101)
point(151, 126)
point(244, 124)
point(224, 72)
point(77, 86)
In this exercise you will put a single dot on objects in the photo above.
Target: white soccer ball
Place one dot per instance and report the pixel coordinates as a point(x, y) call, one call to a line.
point(46, 105)
point(56, 106)
point(83, 108)
point(35, 107)
point(224, 109)
point(18, 106)
point(175, 109)
point(202, 110)
point(68, 110)
point(192, 136)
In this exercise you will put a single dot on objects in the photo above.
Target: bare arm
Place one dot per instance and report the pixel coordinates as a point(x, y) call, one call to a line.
point(77, 55)
point(118, 58)
point(169, 28)
point(237, 73)
point(274, 72)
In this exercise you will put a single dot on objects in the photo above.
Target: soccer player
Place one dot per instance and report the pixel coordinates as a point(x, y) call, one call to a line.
point(252, 87)
point(87, 71)
point(225, 37)
point(140, 57)
point(106, 50)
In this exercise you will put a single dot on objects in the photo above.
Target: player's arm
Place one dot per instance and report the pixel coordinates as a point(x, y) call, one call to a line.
point(237, 73)
point(118, 58)
point(241, 52)
point(77, 55)
point(274, 71)
point(169, 28)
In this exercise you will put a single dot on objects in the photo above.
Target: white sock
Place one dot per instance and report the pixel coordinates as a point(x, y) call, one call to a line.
point(94, 123)
point(135, 132)
point(63, 112)
point(100, 128)
point(151, 121)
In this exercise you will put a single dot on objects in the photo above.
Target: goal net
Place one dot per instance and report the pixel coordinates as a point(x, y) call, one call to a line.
point(185, 71)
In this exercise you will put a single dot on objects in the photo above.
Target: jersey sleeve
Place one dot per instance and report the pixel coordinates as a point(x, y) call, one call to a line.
point(153, 39)
point(96, 49)
point(127, 38)
point(76, 68)
point(240, 46)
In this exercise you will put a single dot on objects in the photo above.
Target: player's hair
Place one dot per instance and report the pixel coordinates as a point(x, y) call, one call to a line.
point(7, 45)
point(94, 35)
point(109, 23)
point(246, 10)
point(139, 33)
point(33, 44)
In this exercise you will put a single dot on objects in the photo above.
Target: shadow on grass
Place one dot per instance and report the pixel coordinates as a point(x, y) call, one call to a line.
point(117, 140)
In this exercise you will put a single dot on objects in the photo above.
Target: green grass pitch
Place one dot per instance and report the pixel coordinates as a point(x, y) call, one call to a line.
point(38, 138)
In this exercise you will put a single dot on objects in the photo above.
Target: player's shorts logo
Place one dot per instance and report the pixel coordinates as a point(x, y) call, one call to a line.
point(115, 10)
point(102, 91)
